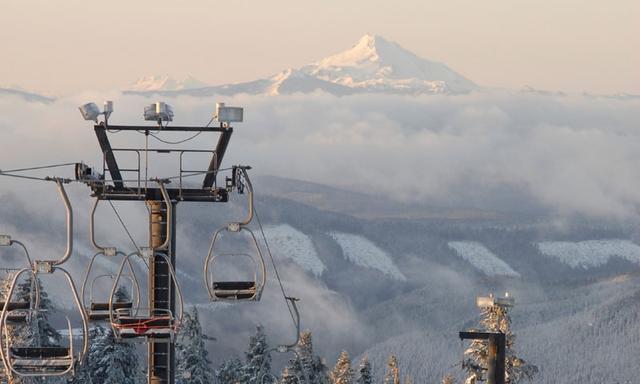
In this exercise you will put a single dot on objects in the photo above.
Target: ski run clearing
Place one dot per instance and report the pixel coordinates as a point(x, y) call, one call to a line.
point(289, 242)
point(482, 258)
point(590, 253)
point(363, 252)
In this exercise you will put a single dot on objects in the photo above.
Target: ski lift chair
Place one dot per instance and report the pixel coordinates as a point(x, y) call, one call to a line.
point(43, 360)
point(145, 324)
point(98, 310)
point(17, 317)
point(233, 290)
point(40, 360)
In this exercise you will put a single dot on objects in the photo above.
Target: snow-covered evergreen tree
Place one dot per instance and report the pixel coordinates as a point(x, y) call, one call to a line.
point(342, 373)
point(496, 318)
point(110, 362)
point(365, 376)
point(230, 372)
point(393, 372)
point(305, 367)
point(193, 365)
point(39, 332)
point(257, 369)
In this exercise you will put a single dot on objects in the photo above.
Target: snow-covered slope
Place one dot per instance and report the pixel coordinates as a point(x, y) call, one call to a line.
point(482, 258)
point(361, 251)
point(288, 242)
point(590, 253)
point(165, 83)
point(373, 64)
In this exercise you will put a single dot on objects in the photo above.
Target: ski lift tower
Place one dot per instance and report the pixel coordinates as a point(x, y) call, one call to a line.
point(497, 340)
point(162, 217)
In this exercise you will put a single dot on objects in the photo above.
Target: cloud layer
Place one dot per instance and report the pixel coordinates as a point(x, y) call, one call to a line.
point(503, 151)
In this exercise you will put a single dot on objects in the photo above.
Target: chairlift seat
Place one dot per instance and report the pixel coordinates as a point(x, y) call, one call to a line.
point(40, 352)
point(15, 305)
point(157, 327)
point(105, 306)
point(19, 318)
point(234, 290)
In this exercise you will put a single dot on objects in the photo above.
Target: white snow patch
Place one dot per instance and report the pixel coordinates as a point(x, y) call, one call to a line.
point(590, 253)
point(482, 258)
point(361, 251)
point(287, 241)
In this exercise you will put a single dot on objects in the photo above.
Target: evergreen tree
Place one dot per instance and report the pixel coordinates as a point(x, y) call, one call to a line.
point(258, 359)
point(193, 365)
point(393, 373)
point(305, 367)
point(110, 362)
point(365, 372)
point(342, 373)
point(496, 318)
point(230, 372)
point(39, 331)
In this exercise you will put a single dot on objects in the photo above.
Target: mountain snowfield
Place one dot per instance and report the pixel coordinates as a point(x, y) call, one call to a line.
point(482, 258)
point(361, 251)
point(372, 65)
point(590, 253)
point(290, 243)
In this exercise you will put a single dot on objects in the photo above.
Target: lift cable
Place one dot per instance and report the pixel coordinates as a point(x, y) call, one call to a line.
point(38, 167)
point(275, 268)
point(25, 177)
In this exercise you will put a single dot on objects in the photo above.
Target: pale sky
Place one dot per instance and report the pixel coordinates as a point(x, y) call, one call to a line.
point(64, 47)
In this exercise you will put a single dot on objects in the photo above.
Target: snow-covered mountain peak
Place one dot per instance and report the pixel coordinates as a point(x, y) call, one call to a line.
point(165, 83)
point(375, 63)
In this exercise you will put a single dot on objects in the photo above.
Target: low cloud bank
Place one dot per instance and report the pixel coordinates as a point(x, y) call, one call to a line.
point(505, 151)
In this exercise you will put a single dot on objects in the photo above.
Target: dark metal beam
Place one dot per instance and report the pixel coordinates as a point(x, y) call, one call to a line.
point(131, 194)
point(169, 128)
point(216, 160)
point(109, 158)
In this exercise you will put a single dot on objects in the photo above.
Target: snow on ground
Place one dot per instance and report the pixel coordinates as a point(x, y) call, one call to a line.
point(287, 241)
point(590, 253)
point(482, 258)
point(361, 251)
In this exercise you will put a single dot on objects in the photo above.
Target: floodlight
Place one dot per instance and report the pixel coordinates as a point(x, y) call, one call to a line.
point(227, 115)
point(485, 302)
point(506, 301)
point(108, 108)
point(90, 111)
point(5, 240)
point(159, 111)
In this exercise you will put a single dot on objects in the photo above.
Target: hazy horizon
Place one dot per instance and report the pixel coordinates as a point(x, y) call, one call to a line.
point(70, 47)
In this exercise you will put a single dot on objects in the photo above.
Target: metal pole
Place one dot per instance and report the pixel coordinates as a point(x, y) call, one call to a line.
point(161, 368)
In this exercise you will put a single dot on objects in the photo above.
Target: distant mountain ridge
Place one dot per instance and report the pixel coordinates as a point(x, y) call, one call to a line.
point(373, 64)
